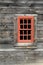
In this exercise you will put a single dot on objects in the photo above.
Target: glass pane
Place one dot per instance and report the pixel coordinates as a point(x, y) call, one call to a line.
point(25, 21)
point(21, 21)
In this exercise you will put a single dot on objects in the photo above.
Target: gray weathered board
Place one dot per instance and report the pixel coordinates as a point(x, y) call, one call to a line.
point(8, 9)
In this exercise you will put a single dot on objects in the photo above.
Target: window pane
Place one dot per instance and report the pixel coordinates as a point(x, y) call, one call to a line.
point(21, 21)
point(21, 37)
point(21, 26)
point(29, 26)
point(29, 21)
point(25, 26)
point(29, 31)
point(25, 21)
point(29, 37)
point(25, 37)
point(25, 31)
point(21, 31)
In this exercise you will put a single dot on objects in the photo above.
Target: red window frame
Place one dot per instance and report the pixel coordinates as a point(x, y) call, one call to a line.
point(32, 29)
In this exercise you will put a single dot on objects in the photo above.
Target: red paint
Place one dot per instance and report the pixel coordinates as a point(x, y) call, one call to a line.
point(32, 29)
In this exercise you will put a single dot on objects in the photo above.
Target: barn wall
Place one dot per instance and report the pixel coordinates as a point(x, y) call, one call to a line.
point(11, 7)
point(8, 9)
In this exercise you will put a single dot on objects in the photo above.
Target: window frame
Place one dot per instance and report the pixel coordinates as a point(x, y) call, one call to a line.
point(32, 29)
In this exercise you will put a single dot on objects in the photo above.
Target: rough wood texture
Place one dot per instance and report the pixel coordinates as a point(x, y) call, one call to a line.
point(8, 9)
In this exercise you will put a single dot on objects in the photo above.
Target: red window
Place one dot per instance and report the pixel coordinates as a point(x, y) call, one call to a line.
point(25, 29)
